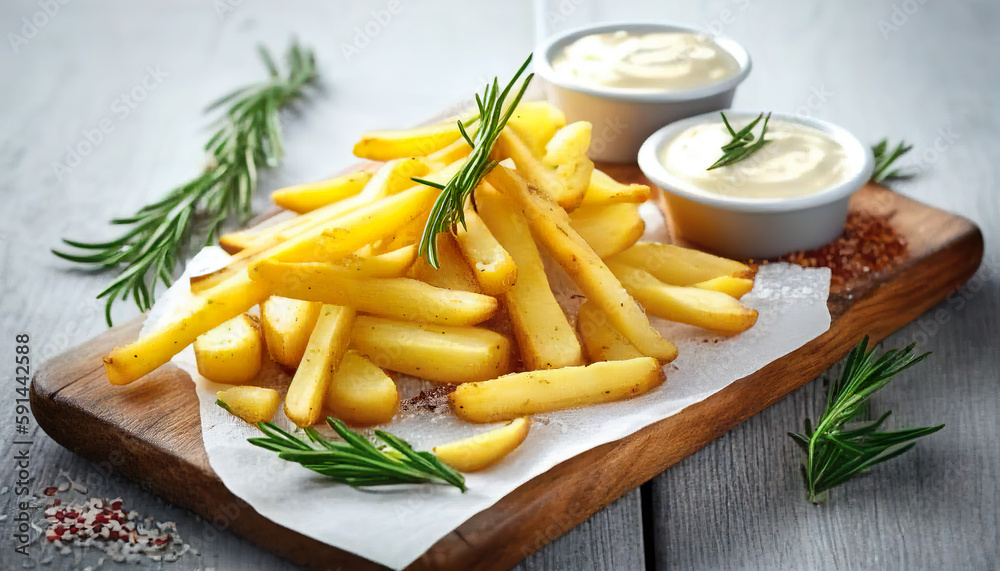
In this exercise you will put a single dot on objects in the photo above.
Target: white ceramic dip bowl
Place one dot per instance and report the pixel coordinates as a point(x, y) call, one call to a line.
point(760, 228)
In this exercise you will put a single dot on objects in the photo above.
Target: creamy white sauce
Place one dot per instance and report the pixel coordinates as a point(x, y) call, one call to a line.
point(799, 160)
point(661, 61)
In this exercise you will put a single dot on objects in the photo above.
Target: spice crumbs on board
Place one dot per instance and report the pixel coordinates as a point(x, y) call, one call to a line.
point(868, 245)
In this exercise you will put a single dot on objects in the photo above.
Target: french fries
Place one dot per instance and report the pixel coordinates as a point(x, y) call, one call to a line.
point(491, 265)
point(327, 345)
point(287, 325)
point(535, 122)
point(308, 197)
point(543, 176)
point(699, 307)
point(600, 339)
point(360, 393)
point(230, 353)
point(735, 287)
point(534, 392)
point(454, 272)
point(252, 404)
point(392, 264)
point(418, 142)
point(543, 333)
point(609, 229)
point(481, 451)
point(679, 266)
point(400, 298)
point(566, 153)
point(551, 226)
point(438, 353)
point(605, 190)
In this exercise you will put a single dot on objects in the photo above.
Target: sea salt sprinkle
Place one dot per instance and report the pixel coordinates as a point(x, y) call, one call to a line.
point(105, 525)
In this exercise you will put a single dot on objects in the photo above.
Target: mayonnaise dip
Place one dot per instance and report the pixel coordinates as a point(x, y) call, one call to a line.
point(661, 61)
point(799, 160)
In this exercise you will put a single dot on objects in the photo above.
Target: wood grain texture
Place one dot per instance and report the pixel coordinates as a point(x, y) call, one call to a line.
point(737, 504)
point(154, 423)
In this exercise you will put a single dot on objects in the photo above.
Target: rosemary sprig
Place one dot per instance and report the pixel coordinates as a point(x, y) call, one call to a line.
point(248, 138)
point(743, 144)
point(356, 461)
point(839, 448)
point(449, 208)
point(884, 159)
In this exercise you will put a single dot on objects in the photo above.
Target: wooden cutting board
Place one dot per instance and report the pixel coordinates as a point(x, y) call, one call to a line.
point(150, 430)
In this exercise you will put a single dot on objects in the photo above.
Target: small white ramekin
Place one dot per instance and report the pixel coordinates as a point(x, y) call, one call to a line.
point(758, 228)
point(623, 118)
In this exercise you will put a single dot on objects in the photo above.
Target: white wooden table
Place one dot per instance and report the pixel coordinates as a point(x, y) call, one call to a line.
point(924, 71)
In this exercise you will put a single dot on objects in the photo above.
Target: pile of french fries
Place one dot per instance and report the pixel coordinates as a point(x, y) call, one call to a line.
point(345, 302)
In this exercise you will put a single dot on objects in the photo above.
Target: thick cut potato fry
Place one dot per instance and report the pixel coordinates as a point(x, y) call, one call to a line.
point(543, 333)
point(438, 353)
point(231, 353)
point(392, 264)
point(735, 287)
point(551, 227)
point(454, 271)
point(492, 266)
point(308, 197)
point(605, 190)
point(608, 229)
point(567, 154)
point(418, 142)
point(239, 293)
point(699, 307)
point(287, 325)
point(399, 298)
point(481, 451)
point(360, 393)
point(327, 345)
point(533, 392)
point(456, 151)
point(541, 175)
point(535, 122)
point(679, 266)
point(601, 340)
point(252, 404)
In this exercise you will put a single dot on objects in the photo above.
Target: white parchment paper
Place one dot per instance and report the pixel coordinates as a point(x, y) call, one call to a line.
point(396, 526)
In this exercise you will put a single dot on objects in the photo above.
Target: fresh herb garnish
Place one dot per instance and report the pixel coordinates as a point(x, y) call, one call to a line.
point(449, 208)
point(885, 159)
point(840, 446)
point(743, 144)
point(248, 138)
point(356, 461)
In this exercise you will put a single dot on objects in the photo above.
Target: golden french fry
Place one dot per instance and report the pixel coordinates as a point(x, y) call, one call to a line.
point(252, 404)
point(735, 287)
point(535, 122)
point(239, 293)
point(392, 264)
point(679, 266)
point(551, 226)
point(308, 197)
point(327, 345)
point(566, 152)
point(454, 271)
point(605, 190)
point(541, 175)
point(231, 353)
point(491, 265)
point(399, 298)
point(699, 307)
point(601, 340)
point(438, 353)
point(543, 333)
point(418, 142)
point(609, 229)
point(484, 450)
point(533, 392)
point(456, 151)
point(360, 393)
point(287, 325)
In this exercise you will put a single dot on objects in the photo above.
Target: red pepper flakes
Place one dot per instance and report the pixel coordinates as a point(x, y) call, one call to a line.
point(869, 245)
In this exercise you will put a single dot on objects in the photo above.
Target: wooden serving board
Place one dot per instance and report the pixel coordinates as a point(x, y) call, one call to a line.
point(150, 430)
